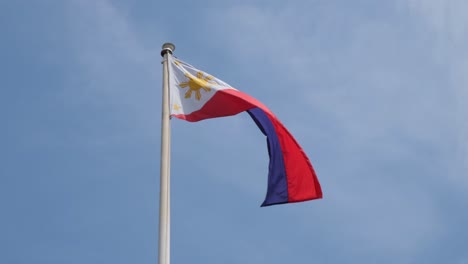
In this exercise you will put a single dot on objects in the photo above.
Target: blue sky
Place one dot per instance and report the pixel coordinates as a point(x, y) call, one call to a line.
point(374, 92)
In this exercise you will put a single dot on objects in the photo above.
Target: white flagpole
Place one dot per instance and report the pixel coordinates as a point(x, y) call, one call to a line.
point(164, 194)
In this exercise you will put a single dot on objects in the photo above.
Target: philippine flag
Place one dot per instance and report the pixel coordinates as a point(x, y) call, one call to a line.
point(196, 95)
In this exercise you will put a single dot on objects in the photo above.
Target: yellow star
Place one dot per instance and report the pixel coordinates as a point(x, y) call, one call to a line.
point(176, 107)
point(197, 83)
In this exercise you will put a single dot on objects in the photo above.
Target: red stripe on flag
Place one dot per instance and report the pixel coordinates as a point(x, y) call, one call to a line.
point(302, 181)
point(224, 103)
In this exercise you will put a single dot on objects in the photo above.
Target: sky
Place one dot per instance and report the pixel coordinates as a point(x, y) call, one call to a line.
point(374, 91)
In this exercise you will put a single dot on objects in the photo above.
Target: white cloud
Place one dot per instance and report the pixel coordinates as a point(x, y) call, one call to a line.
point(114, 68)
point(447, 18)
point(449, 22)
point(379, 95)
point(388, 97)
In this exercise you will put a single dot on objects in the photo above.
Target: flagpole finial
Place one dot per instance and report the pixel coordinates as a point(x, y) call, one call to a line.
point(167, 48)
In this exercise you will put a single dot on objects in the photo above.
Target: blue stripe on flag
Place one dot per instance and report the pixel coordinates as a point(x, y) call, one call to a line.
point(277, 192)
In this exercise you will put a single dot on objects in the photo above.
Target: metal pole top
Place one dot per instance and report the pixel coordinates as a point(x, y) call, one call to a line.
point(167, 48)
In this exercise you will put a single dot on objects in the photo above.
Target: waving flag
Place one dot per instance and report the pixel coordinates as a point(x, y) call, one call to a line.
point(196, 95)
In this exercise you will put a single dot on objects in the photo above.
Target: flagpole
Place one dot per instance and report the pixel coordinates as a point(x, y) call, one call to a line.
point(164, 193)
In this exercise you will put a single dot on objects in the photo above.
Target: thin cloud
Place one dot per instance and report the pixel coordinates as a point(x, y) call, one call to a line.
point(115, 68)
point(449, 22)
point(390, 103)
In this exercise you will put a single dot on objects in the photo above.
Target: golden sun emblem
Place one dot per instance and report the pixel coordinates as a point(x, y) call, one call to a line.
point(197, 83)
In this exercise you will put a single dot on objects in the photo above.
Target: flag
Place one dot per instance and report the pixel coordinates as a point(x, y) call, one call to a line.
point(196, 95)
